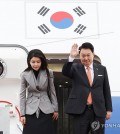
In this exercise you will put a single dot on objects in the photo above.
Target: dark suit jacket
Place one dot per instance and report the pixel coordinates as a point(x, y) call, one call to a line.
point(100, 89)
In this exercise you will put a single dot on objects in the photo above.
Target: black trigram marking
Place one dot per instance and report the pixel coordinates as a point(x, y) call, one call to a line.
point(80, 28)
point(44, 29)
point(43, 11)
point(78, 10)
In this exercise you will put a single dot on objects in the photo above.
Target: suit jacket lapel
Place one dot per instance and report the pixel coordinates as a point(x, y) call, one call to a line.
point(83, 74)
point(42, 77)
point(40, 81)
point(30, 77)
point(95, 73)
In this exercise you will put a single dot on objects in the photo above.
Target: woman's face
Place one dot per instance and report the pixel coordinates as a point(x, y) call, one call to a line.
point(35, 63)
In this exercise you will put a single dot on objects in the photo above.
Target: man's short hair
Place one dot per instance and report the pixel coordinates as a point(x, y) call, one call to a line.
point(87, 45)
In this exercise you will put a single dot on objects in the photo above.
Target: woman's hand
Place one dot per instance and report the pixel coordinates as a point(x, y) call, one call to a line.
point(55, 115)
point(23, 120)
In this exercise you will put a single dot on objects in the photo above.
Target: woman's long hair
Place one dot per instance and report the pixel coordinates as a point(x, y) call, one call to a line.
point(44, 66)
point(36, 53)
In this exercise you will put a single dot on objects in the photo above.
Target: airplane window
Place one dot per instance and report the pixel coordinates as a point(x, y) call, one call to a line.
point(2, 68)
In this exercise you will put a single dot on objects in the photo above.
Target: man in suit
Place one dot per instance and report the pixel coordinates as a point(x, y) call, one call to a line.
point(90, 99)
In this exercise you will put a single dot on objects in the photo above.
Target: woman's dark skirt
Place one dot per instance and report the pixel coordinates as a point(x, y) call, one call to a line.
point(41, 125)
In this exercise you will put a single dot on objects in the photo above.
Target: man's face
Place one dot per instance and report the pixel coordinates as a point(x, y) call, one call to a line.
point(86, 57)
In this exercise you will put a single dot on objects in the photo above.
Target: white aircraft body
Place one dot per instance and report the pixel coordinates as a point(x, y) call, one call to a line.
point(53, 26)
